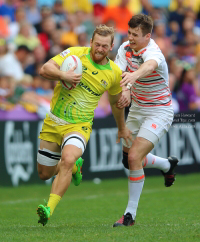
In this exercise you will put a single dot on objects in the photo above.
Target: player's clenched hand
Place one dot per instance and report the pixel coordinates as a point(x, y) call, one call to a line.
point(127, 78)
point(125, 134)
point(125, 99)
point(70, 76)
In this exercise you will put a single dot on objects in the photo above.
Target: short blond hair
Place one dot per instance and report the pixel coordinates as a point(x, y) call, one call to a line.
point(104, 30)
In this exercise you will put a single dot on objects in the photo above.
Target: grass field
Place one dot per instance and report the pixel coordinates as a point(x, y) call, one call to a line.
point(87, 213)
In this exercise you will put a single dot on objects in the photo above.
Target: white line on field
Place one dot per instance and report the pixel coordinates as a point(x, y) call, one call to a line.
point(20, 201)
point(90, 197)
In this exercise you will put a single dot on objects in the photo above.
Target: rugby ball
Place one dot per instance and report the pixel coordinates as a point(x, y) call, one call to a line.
point(67, 64)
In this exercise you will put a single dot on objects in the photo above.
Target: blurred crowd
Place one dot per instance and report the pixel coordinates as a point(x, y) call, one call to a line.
point(33, 31)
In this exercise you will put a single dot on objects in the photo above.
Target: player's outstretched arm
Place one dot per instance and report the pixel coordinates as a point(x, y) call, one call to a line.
point(118, 113)
point(145, 69)
point(51, 70)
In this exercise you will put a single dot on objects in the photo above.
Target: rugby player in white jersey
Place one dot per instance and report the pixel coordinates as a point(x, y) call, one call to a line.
point(145, 81)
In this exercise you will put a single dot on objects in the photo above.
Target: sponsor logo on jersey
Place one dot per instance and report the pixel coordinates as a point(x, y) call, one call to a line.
point(88, 89)
point(85, 129)
point(104, 83)
point(84, 68)
point(64, 53)
point(94, 72)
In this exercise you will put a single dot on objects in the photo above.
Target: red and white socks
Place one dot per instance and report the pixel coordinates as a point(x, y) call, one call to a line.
point(136, 182)
point(153, 161)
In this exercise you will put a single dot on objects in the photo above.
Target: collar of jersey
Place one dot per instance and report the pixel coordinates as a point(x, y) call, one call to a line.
point(100, 67)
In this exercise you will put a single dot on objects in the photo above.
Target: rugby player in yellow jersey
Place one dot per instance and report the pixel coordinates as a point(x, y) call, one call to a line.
point(66, 130)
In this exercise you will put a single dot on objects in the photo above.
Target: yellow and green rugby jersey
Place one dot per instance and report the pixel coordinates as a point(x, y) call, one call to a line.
point(78, 105)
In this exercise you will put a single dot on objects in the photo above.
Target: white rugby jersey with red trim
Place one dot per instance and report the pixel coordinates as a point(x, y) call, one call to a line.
point(152, 90)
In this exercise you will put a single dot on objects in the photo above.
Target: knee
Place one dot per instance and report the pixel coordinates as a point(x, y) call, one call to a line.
point(67, 161)
point(133, 158)
point(45, 172)
point(44, 175)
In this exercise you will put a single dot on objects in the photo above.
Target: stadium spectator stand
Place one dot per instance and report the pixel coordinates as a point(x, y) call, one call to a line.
point(34, 31)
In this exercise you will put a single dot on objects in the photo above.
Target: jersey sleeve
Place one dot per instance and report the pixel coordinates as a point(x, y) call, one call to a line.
point(115, 87)
point(120, 59)
point(66, 53)
point(153, 54)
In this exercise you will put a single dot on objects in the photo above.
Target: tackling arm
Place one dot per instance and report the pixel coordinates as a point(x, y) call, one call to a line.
point(145, 69)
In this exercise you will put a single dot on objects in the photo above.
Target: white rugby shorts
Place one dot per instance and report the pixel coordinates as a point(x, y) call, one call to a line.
point(149, 123)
